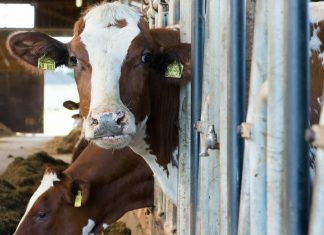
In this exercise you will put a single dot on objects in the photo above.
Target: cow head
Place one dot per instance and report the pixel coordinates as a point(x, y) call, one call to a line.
point(116, 63)
point(52, 203)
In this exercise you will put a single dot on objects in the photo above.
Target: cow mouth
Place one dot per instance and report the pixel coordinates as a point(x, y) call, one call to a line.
point(113, 141)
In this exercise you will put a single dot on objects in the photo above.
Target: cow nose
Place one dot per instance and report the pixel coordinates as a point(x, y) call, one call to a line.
point(109, 123)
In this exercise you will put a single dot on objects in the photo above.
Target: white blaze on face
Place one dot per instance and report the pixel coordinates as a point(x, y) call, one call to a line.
point(46, 183)
point(107, 47)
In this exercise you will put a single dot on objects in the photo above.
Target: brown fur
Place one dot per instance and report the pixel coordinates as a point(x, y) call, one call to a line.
point(316, 83)
point(112, 183)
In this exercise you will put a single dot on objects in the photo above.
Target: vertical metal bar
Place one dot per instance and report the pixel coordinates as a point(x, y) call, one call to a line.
point(237, 110)
point(250, 218)
point(223, 115)
point(197, 58)
point(275, 138)
point(258, 196)
point(244, 216)
point(172, 12)
point(297, 106)
point(211, 72)
point(184, 175)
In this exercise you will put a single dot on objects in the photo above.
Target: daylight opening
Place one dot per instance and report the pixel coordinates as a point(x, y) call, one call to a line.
point(17, 15)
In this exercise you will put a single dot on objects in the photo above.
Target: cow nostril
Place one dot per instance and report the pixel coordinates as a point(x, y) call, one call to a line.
point(121, 118)
point(94, 121)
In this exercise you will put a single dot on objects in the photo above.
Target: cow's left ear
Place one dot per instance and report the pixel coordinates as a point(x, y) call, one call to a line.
point(29, 47)
point(77, 192)
point(174, 62)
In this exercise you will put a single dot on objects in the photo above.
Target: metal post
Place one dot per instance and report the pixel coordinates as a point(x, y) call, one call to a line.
point(275, 138)
point(184, 176)
point(297, 119)
point(197, 50)
point(237, 110)
point(249, 219)
point(224, 130)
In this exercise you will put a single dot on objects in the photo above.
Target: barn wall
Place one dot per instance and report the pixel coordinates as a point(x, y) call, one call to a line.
point(21, 94)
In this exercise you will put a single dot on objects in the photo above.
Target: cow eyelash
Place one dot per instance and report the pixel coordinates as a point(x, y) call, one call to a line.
point(73, 61)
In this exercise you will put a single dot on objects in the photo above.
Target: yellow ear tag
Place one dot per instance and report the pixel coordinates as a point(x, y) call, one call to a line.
point(78, 199)
point(46, 63)
point(174, 70)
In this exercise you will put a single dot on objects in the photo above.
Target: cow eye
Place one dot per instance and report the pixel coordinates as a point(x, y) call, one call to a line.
point(41, 215)
point(146, 57)
point(73, 61)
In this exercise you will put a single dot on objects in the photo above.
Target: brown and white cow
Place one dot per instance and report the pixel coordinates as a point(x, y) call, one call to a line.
point(82, 143)
point(111, 183)
point(128, 78)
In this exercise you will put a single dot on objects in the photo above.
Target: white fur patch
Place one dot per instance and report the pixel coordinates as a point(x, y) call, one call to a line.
point(168, 183)
point(316, 11)
point(88, 228)
point(105, 226)
point(46, 183)
point(315, 42)
point(107, 48)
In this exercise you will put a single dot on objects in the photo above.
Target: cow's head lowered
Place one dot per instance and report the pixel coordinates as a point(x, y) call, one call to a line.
point(92, 193)
point(119, 67)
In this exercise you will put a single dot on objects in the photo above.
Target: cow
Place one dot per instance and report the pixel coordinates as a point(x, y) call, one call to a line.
point(128, 78)
point(82, 143)
point(93, 192)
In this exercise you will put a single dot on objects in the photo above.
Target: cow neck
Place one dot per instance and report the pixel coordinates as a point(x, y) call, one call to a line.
point(162, 123)
point(120, 181)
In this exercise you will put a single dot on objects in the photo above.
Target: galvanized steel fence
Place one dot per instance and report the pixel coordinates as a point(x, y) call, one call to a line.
point(242, 172)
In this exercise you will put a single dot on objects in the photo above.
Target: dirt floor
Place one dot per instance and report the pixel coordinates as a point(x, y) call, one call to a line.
point(21, 170)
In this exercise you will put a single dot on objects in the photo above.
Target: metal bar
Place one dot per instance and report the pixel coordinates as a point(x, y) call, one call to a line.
point(223, 115)
point(212, 65)
point(297, 119)
point(317, 213)
point(275, 138)
point(258, 76)
point(197, 58)
point(184, 175)
point(172, 12)
point(237, 109)
point(258, 196)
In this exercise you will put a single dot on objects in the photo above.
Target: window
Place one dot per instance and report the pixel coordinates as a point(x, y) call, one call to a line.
point(17, 16)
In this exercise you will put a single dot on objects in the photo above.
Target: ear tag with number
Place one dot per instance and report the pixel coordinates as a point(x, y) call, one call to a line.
point(46, 63)
point(78, 199)
point(174, 70)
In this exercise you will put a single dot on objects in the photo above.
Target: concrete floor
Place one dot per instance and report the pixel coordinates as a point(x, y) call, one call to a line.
point(22, 146)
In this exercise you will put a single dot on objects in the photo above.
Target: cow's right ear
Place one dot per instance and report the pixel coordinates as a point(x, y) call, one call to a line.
point(71, 105)
point(29, 47)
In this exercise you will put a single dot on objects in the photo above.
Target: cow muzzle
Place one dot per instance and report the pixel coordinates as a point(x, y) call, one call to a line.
point(110, 128)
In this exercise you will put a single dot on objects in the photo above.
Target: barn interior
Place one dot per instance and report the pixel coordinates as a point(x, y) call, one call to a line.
point(32, 116)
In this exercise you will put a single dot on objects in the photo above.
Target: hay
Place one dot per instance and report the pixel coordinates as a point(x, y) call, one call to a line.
point(65, 144)
point(5, 131)
point(118, 228)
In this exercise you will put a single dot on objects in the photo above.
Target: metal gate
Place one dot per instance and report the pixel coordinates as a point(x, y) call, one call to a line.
point(244, 163)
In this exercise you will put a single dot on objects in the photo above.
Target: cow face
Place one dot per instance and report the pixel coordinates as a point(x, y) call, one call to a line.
point(51, 205)
point(116, 63)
